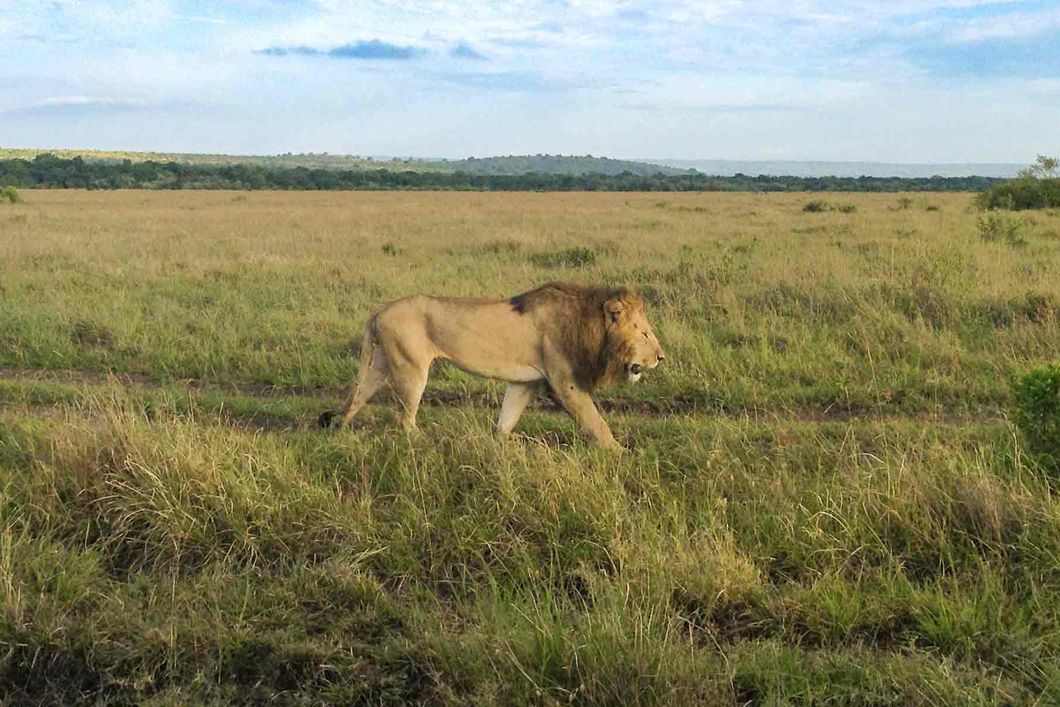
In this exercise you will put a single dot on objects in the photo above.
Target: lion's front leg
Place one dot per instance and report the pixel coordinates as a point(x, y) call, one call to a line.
point(581, 407)
point(516, 398)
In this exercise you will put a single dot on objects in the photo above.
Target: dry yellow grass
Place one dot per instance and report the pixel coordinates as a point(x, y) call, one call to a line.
point(762, 303)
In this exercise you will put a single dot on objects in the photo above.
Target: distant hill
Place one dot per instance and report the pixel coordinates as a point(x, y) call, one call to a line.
point(559, 164)
point(509, 165)
point(792, 168)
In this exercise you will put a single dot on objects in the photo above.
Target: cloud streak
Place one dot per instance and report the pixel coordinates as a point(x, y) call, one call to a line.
point(372, 49)
point(510, 81)
point(80, 105)
point(463, 50)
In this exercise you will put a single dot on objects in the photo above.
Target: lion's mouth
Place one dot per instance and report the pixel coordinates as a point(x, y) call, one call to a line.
point(634, 372)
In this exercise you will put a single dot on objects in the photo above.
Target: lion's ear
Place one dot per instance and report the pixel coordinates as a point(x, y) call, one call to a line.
point(613, 310)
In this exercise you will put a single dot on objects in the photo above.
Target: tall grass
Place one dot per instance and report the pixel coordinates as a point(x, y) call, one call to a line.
point(147, 553)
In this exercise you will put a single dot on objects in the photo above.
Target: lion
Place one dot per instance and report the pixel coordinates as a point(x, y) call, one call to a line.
point(574, 339)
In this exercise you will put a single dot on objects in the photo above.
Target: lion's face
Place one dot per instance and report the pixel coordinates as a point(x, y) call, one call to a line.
point(631, 336)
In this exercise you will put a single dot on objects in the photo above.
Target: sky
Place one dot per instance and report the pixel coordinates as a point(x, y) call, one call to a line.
point(852, 80)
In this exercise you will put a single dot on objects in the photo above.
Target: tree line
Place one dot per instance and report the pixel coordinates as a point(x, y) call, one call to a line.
point(47, 171)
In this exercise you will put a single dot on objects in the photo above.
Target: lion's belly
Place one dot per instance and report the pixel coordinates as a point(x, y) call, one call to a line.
point(488, 340)
point(514, 374)
point(491, 367)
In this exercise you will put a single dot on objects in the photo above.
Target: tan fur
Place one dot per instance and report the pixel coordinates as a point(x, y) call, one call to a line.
point(576, 339)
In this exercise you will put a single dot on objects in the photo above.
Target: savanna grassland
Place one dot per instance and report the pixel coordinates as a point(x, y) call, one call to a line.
point(823, 501)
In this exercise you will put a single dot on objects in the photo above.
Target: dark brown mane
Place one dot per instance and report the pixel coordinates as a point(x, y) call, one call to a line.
point(556, 292)
point(577, 311)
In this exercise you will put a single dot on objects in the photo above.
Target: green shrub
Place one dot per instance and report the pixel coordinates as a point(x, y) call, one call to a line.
point(846, 208)
point(1022, 193)
point(11, 194)
point(1037, 401)
point(568, 257)
point(904, 202)
point(998, 227)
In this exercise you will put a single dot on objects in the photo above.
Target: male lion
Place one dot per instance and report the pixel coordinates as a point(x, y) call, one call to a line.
point(576, 339)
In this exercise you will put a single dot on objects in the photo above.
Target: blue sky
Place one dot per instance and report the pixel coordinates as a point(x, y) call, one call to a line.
point(897, 80)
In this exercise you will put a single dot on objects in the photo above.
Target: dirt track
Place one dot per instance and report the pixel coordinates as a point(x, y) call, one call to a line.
point(682, 404)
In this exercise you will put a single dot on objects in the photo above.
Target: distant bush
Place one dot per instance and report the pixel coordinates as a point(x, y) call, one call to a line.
point(496, 247)
point(1037, 402)
point(11, 194)
point(569, 257)
point(997, 227)
point(819, 206)
point(904, 202)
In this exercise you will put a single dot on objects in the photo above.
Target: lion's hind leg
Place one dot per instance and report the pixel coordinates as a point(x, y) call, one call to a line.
point(372, 377)
point(409, 381)
point(408, 354)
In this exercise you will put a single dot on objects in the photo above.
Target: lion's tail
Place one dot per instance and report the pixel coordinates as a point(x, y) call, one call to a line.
point(368, 346)
point(368, 350)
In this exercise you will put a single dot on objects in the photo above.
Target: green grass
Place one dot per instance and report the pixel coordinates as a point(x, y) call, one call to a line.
point(824, 502)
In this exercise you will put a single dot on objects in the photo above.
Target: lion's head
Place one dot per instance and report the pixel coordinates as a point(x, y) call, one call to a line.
point(631, 344)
